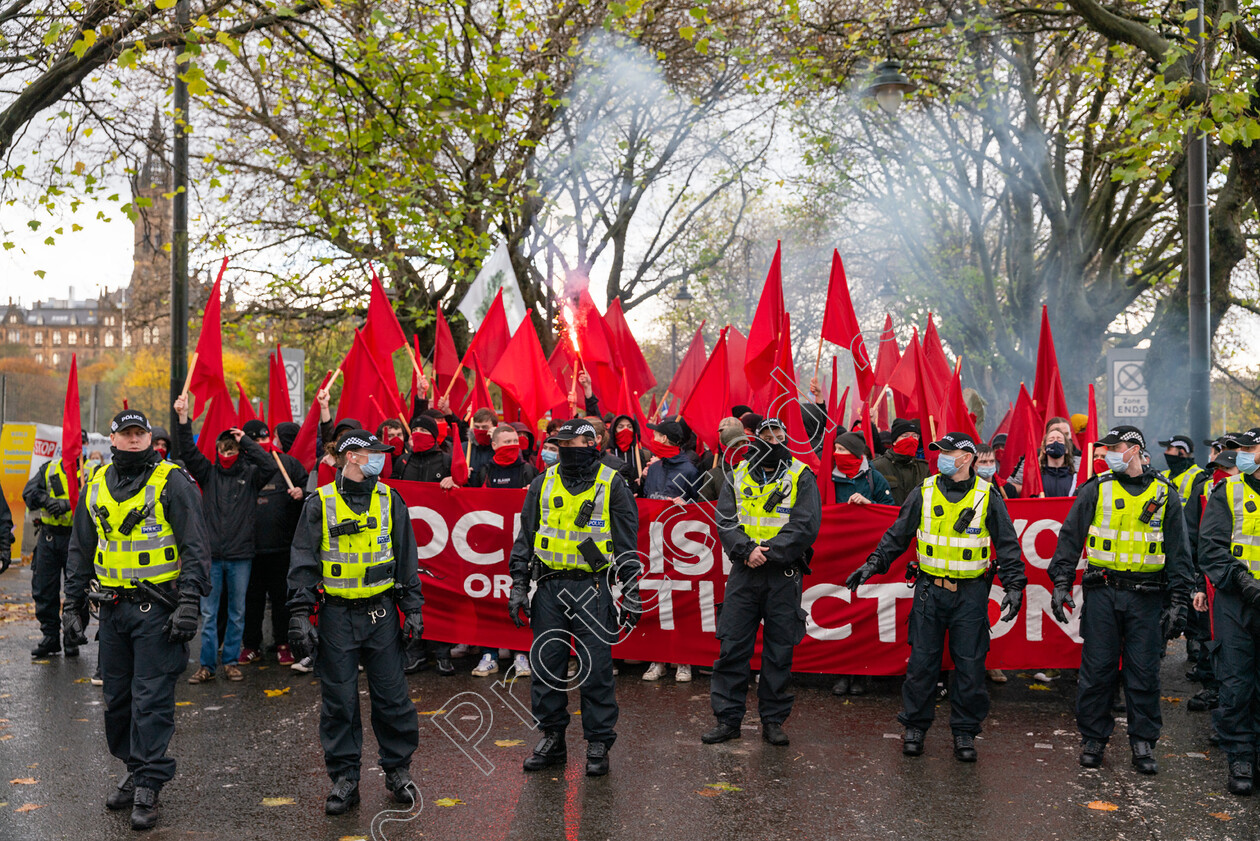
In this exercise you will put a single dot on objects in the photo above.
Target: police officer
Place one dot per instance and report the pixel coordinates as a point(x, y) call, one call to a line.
point(354, 543)
point(1182, 471)
point(48, 492)
point(768, 517)
point(139, 529)
point(1130, 524)
point(579, 527)
point(963, 528)
point(1229, 552)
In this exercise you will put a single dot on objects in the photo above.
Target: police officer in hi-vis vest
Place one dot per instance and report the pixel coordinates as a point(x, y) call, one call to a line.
point(768, 517)
point(47, 493)
point(139, 529)
point(1229, 553)
point(578, 534)
point(963, 529)
point(1130, 525)
point(354, 554)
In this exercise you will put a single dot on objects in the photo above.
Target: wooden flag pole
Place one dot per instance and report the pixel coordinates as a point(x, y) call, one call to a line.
point(188, 379)
point(283, 472)
point(468, 443)
point(818, 358)
point(335, 375)
point(415, 366)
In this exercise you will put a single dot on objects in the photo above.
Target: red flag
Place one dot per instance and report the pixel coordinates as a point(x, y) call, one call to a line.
point(840, 326)
point(957, 417)
point(904, 379)
point(561, 365)
point(689, 369)
point(826, 486)
point(931, 418)
point(72, 433)
point(630, 359)
point(736, 350)
point(652, 408)
point(446, 365)
point(938, 365)
point(866, 430)
point(886, 363)
point(479, 397)
point(491, 338)
point(1024, 440)
point(279, 409)
point(363, 378)
point(1048, 386)
point(1004, 425)
point(303, 448)
point(786, 403)
point(244, 408)
point(765, 334)
point(1086, 468)
point(220, 415)
point(207, 373)
point(523, 373)
point(459, 461)
point(592, 335)
point(709, 400)
point(381, 332)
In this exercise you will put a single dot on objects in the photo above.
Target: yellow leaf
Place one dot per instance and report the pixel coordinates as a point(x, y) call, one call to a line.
point(722, 787)
point(353, 838)
point(40, 662)
point(6, 737)
point(509, 743)
point(1172, 700)
point(1101, 806)
point(433, 712)
point(1039, 686)
point(29, 807)
point(272, 693)
point(448, 801)
point(23, 781)
point(278, 801)
point(183, 703)
point(708, 792)
point(1222, 816)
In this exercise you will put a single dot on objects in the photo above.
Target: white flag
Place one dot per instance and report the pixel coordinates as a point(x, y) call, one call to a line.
point(496, 272)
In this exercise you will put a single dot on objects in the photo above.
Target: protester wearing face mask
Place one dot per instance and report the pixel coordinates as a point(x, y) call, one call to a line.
point(900, 465)
point(1229, 551)
point(627, 446)
point(1131, 527)
point(423, 460)
point(229, 497)
point(483, 423)
point(527, 440)
point(164, 447)
point(354, 542)
point(393, 435)
point(670, 474)
point(987, 468)
point(962, 528)
point(1056, 461)
point(577, 538)
point(768, 518)
point(548, 455)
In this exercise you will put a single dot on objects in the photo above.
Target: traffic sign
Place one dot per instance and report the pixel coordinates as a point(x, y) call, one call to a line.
point(1126, 376)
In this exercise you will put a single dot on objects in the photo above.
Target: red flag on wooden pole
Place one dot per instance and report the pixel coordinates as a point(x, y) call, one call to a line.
point(786, 404)
point(244, 408)
point(765, 335)
point(1086, 469)
point(1024, 440)
point(1048, 385)
point(523, 373)
point(279, 407)
point(840, 327)
point(709, 400)
point(381, 331)
point(221, 415)
point(689, 368)
point(826, 485)
point(72, 433)
point(303, 447)
point(206, 376)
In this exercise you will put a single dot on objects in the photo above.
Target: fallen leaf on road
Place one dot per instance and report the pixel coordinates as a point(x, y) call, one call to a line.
point(708, 792)
point(722, 787)
point(23, 781)
point(1041, 687)
point(29, 807)
point(272, 693)
point(352, 838)
point(509, 743)
point(183, 703)
point(1101, 806)
point(1222, 816)
point(1171, 700)
point(433, 712)
point(278, 801)
point(448, 801)
point(6, 737)
point(82, 680)
point(40, 663)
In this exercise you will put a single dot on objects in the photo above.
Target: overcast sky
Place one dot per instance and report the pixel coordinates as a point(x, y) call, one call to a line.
point(97, 257)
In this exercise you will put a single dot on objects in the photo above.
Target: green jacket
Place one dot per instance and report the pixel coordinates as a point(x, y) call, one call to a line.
point(904, 473)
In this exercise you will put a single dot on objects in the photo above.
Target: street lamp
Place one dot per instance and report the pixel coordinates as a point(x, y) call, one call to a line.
point(683, 297)
point(1197, 258)
point(889, 86)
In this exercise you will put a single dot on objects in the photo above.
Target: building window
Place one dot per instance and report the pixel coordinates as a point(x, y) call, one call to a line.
point(39, 357)
point(109, 340)
point(56, 359)
point(72, 337)
point(39, 338)
point(14, 337)
point(56, 338)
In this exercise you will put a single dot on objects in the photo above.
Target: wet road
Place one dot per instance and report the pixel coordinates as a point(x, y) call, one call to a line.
point(243, 746)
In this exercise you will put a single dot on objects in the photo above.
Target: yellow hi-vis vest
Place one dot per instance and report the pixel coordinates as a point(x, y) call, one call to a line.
point(51, 470)
point(1184, 482)
point(556, 541)
point(1245, 503)
point(944, 552)
point(149, 552)
point(1118, 539)
point(357, 566)
point(759, 524)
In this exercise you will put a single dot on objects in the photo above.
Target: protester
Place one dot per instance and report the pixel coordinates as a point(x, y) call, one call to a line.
point(901, 466)
point(1056, 461)
point(483, 423)
point(423, 460)
point(733, 444)
point(987, 469)
point(627, 446)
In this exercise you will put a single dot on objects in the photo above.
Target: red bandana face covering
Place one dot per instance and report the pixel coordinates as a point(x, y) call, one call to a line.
point(1100, 467)
point(482, 437)
point(422, 441)
point(1219, 476)
point(161, 451)
point(906, 446)
point(848, 464)
point(507, 454)
point(662, 450)
point(397, 442)
point(625, 439)
point(226, 461)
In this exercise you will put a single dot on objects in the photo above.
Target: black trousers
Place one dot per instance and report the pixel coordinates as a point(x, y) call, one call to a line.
point(577, 613)
point(139, 667)
point(348, 636)
point(1237, 719)
point(1199, 648)
point(48, 567)
point(1115, 624)
point(267, 580)
point(963, 615)
point(754, 596)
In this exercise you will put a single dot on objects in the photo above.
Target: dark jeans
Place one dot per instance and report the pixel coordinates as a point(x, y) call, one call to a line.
point(1115, 624)
point(48, 567)
point(267, 580)
point(964, 616)
point(1238, 656)
point(753, 596)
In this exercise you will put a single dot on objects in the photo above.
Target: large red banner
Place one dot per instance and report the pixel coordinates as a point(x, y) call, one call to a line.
point(465, 539)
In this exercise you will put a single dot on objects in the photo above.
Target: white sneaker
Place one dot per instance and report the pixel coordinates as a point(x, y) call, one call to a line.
point(656, 671)
point(458, 651)
point(305, 665)
point(521, 665)
point(487, 666)
point(684, 674)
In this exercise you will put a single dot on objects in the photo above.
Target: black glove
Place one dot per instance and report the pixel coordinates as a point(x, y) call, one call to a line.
point(1062, 598)
point(630, 609)
point(303, 636)
point(6, 557)
point(1173, 621)
point(860, 576)
point(57, 507)
point(1011, 604)
point(182, 626)
point(518, 603)
point(412, 627)
point(1247, 587)
point(72, 634)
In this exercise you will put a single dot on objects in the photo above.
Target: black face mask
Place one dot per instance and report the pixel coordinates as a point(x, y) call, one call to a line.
point(125, 461)
point(1178, 464)
point(577, 461)
point(1056, 449)
point(766, 456)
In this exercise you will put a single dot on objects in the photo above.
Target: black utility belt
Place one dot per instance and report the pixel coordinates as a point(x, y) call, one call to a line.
point(950, 584)
point(543, 571)
point(369, 603)
point(130, 594)
point(1096, 577)
point(64, 531)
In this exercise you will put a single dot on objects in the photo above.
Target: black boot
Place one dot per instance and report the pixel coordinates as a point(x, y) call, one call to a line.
point(1203, 700)
point(964, 747)
point(445, 667)
point(1091, 753)
point(344, 794)
point(415, 658)
point(121, 797)
point(398, 782)
point(912, 742)
point(50, 644)
point(550, 751)
point(858, 687)
point(72, 651)
point(144, 808)
point(596, 759)
point(842, 685)
point(723, 732)
point(1144, 758)
point(773, 733)
point(1241, 772)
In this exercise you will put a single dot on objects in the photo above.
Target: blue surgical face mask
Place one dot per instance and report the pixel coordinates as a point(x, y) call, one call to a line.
point(1116, 461)
point(1246, 463)
point(986, 471)
point(375, 464)
point(549, 457)
point(948, 465)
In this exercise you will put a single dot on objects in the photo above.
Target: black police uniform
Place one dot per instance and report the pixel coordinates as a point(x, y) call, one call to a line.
point(769, 593)
point(560, 608)
point(1121, 617)
point(1199, 646)
point(48, 565)
point(354, 631)
point(139, 664)
point(963, 613)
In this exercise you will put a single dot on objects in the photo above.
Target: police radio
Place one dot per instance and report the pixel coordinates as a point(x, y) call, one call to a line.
point(55, 482)
point(964, 519)
point(102, 517)
point(1149, 510)
point(133, 518)
point(350, 527)
point(779, 494)
point(584, 513)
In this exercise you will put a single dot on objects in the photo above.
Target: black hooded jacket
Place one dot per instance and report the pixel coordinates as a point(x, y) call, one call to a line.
point(229, 496)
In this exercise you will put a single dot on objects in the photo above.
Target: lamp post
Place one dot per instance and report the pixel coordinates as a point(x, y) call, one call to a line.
point(1197, 257)
point(179, 230)
point(683, 297)
point(889, 86)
